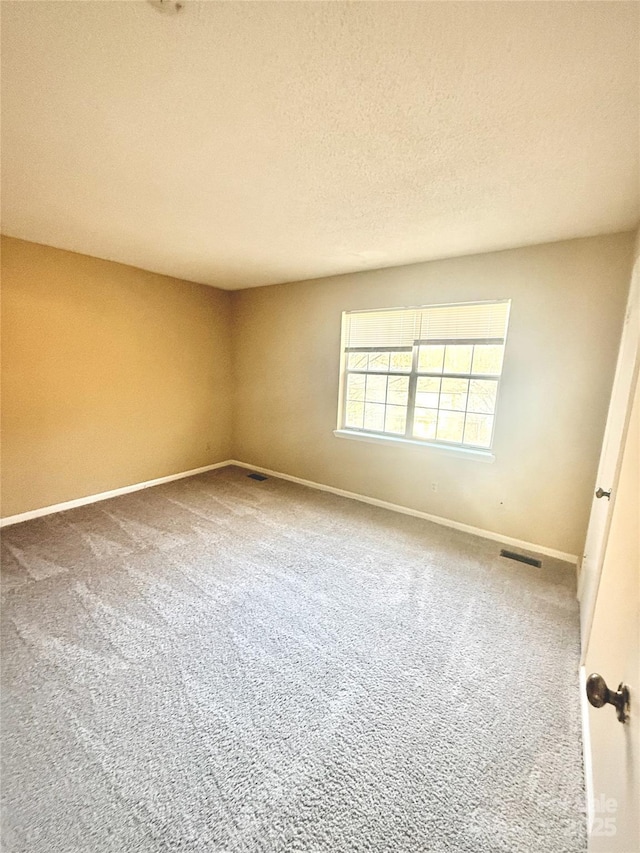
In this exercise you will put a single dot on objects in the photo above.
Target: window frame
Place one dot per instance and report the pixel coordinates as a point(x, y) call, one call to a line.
point(413, 375)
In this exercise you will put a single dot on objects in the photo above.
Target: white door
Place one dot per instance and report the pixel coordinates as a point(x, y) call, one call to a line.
point(610, 460)
point(612, 748)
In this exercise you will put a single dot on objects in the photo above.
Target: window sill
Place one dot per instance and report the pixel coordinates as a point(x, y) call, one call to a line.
point(476, 455)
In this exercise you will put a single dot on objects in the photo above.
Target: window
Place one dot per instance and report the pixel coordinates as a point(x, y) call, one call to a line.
point(427, 374)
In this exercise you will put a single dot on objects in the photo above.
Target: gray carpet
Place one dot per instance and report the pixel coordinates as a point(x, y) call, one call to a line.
point(219, 664)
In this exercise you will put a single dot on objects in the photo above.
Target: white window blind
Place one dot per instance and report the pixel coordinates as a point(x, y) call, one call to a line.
point(400, 327)
point(429, 373)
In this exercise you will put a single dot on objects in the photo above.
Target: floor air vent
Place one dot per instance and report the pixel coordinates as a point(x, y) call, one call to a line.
point(255, 476)
point(512, 555)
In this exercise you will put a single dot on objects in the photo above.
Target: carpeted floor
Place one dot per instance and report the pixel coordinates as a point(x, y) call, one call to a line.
point(220, 664)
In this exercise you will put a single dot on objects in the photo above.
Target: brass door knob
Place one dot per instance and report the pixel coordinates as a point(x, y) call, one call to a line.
point(599, 694)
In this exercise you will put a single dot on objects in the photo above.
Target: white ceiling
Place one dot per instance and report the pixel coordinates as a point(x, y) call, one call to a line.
point(247, 143)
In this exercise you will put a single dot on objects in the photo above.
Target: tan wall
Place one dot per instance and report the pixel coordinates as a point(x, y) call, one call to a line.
point(110, 376)
point(113, 376)
point(567, 306)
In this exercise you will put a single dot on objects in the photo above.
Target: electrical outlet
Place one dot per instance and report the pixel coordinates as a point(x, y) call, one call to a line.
point(434, 487)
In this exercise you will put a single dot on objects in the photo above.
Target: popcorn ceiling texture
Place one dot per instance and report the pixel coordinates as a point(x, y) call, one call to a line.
point(223, 665)
point(242, 144)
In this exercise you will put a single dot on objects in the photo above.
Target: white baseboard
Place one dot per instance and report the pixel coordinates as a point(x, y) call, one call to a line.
point(445, 522)
point(103, 496)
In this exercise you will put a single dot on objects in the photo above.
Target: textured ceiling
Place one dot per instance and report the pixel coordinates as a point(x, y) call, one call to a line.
point(246, 143)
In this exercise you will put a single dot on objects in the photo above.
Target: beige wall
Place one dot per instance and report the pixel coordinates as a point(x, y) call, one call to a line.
point(113, 376)
point(567, 305)
point(110, 376)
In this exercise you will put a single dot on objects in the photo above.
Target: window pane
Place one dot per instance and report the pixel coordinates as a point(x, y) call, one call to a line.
point(450, 426)
point(401, 361)
point(424, 423)
point(430, 359)
point(482, 395)
point(374, 416)
point(354, 414)
point(355, 386)
point(428, 392)
point(457, 358)
point(487, 358)
point(376, 389)
point(454, 394)
point(398, 390)
point(357, 360)
point(395, 419)
point(379, 361)
point(478, 430)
